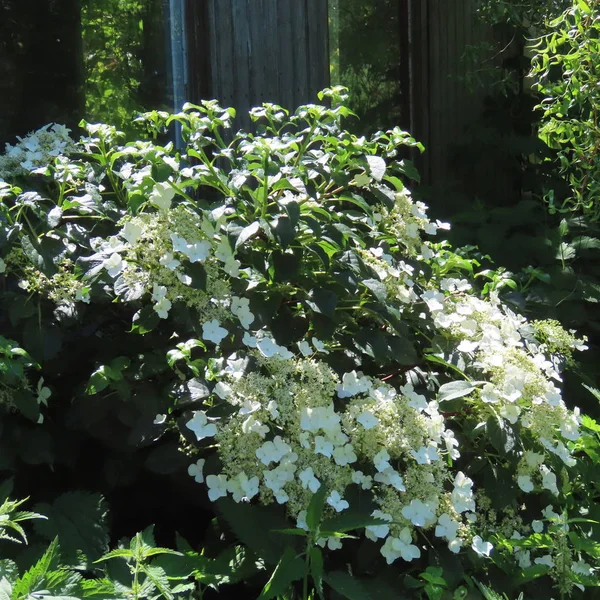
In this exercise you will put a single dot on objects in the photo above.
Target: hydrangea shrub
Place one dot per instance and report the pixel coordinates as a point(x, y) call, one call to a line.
point(307, 333)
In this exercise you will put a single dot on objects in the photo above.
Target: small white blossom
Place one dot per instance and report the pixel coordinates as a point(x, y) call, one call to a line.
point(131, 232)
point(344, 455)
point(400, 547)
point(367, 419)
point(482, 548)
point(200, 425)
point(545, 560)
point(253, 425)
point(114, 264)
point(419, 513)
point(212, 332)
point(537, 526)
point(373, 532)
point(525, 483)
point(217, 486)
point(353, 384)
point(337, 502)
point(161, 195)
point(195, 470)
point(305, 348)
point(308, 480)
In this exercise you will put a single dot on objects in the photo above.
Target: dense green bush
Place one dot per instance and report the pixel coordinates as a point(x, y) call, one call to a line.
point(272, 316)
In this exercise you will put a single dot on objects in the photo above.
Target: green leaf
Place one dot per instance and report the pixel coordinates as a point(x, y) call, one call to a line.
point(289, 569)
point(246, 233)
point(77, 519)
point(348, 521)
point(255, 526)
point(323, 301)
point(455, 389)
point(500, 435)
point(347, 586)
point(316, 570)
point(33, 579)
point(315, 509)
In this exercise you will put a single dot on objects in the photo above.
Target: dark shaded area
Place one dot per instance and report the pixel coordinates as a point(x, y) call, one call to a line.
point(64, 60)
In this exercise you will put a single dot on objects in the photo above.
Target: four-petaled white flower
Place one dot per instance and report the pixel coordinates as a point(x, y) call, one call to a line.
point(213, 332)
point(419, 513)
point(114, 264)
point(367, 419)
point(195, 470)
point(308, 480)
point(373, 532)
point(200, 425)
point(482, 548)
point(169, 261)
point(241, 488)
point(161, 195)
point(240, 307)
point(131, 232)
point(337, 502)
point(344, 455)
point(217, 486)
point(400, 547)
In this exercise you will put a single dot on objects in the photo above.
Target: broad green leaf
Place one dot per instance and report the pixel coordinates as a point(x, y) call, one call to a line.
point(316, 570)
point(455, 389)
point(347, 586)
point(77, 519)
point(314, 512)
point(289, 569)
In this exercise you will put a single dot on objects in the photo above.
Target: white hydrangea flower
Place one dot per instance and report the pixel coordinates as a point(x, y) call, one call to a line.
point(217, 486)
point(319, 346)
point(381, 460)
point(213, 332)
point(114, 264)
point(400, 547)
point(161, 195)
point(548, 480)
point(320, 417)
point(241, 488)
point(480, 547)
point(537, 526)
point(201, 426)
point(365, 481)
point(525, 483)
point(523, 558)
point(240, 307)
point(425, 456)
point(337, 502)
point(367, 419)
point(131, 232)
point(273, 451)
point(223, 390)
point(198, 251)
point(462, 495)
point(352, 384)
point(304, 348)
point(323, 446)
point(195, 470)
point(545, 560)
point(373, 532)
point(391, 477)
point(419, 513)
point(582, 568)
point(344, 455)
point(253, 425)
point(308, 480)
point(169, 261)
point(447, 527)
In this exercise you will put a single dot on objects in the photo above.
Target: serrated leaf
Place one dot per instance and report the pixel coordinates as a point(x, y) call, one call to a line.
point(77, 519)
point(316, 570)
point(255, 527)
point(289, 569)
point(348, 521)
point(159, 580)
point(314, 512)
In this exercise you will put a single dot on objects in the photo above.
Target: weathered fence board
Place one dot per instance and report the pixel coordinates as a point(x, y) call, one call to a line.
point(267, 51)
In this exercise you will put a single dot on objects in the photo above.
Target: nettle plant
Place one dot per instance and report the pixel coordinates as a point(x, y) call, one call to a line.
point(313, 348)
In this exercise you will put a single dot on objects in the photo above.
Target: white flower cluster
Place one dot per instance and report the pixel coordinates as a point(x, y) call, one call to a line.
point(519, 376)
point(35, 151)
point(297, 428)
